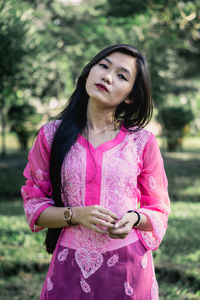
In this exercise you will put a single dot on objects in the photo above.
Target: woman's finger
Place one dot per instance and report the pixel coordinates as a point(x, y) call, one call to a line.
point(113, 236)
point(103, 223)
point(97, 229)
point(106, 218)
point(108, 212)
point(121, 231)
point(121, 223)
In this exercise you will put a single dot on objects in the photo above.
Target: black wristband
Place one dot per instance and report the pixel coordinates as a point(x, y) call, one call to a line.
point(139, 217)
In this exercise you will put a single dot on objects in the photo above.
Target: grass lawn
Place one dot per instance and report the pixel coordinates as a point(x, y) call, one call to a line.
point(177, 260)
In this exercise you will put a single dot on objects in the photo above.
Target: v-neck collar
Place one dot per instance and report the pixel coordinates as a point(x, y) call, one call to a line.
point(106, 145)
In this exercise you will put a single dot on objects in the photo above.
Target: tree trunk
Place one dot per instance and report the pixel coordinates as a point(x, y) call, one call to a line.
point(3, 121)
point(3, 138)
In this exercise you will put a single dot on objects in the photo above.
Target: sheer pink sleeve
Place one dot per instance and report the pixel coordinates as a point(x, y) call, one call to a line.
point(38, 190)
point(155, 201)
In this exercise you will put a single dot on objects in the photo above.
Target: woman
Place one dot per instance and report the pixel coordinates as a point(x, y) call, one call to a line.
point(95, 179)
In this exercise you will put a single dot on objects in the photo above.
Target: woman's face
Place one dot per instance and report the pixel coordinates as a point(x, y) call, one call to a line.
point(111, 80)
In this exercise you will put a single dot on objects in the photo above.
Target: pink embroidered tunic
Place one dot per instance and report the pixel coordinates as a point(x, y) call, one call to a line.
point(122, 174)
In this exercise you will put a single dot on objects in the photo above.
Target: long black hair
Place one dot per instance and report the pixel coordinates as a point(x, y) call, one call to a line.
point(73, 120)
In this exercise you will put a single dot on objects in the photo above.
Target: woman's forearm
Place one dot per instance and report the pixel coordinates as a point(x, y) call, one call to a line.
point(52, 217)
point(145, 223)
point(90, 216)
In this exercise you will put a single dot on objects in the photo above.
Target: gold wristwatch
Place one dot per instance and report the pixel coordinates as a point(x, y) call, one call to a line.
point(68, 216)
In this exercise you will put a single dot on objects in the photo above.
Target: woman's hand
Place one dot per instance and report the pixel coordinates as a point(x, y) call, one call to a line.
point(123, 226)
point(93, 217)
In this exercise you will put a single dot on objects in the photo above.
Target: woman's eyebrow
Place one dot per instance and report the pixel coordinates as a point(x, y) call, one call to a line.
point(120, 68)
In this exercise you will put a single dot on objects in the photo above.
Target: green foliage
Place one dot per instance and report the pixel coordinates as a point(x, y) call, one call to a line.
point(46, 44)
point(174, 120)
point(130, 7)
point(12, 39)
point(11, 175)
point(13, 50)
point(168, 32)
point(23, 120)
point(183, 174)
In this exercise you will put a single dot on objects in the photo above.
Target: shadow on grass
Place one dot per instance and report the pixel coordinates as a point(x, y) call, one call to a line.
point(13, 268)
point(182, 237)
point(11, 207)
point(183, 178)
point(179, 254)
point(177, 276)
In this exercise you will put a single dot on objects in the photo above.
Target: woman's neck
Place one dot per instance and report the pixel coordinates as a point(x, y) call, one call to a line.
point(100, 119)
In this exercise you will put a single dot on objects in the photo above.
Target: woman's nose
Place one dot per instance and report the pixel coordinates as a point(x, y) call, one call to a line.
point(108, 77)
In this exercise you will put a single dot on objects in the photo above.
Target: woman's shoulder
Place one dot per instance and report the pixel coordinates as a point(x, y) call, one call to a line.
point(50, 129)
point(140, 137)
point(51, 125)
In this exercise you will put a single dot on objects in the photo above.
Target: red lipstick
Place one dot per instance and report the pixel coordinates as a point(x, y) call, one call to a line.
point(101, 87)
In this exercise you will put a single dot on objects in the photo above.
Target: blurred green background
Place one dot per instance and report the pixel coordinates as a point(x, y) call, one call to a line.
point(43, 47)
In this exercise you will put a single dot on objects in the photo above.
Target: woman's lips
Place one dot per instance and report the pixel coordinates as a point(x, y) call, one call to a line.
point(101, 87)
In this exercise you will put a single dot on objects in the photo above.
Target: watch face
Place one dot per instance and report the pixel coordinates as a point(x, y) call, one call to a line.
point(67, 214)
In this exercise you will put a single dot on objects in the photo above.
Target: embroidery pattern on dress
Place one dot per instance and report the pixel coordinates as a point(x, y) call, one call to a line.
point(158, 222)
point(62, 255)
point(39, 175)
point(49, 284)
point(111, 262)
point(154, 290)
point(141, 139)
point(32, 205)
point(90, 240)
point(128, 289)
point(89, 245)
point(35, 186)
point(24, 195)
point(85, 286)
point(88, 261)
point(50, 130)
point(152, 183)
point(144, 261)
point(73, 175)
point(150, 239)
point(119, 186)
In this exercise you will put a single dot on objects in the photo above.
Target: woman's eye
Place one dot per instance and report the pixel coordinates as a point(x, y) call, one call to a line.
point(103, 66)
point(122, 76)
